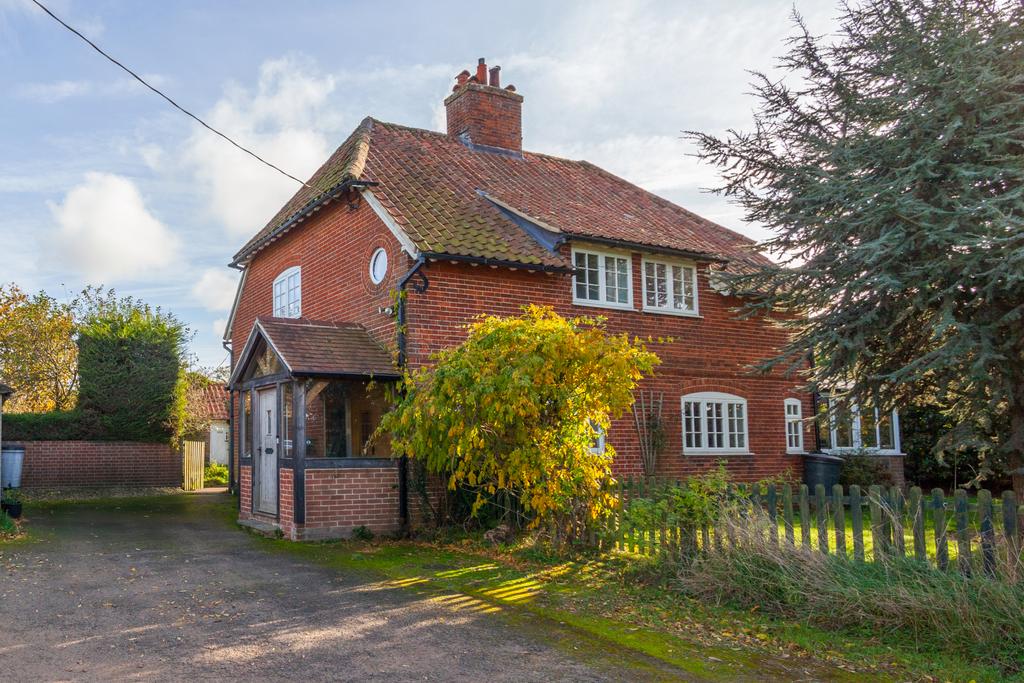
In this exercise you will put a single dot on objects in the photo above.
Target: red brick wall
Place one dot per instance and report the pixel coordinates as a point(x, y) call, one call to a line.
point(338, 500)
point(709, 353)
point(286, 502)
point(245, 491)
point(99, 463)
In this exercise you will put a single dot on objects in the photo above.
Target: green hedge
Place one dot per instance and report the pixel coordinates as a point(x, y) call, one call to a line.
point(131, 381)
point(71, 425)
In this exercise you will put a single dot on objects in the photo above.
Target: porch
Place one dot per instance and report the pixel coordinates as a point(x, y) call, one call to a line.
point(310, 396)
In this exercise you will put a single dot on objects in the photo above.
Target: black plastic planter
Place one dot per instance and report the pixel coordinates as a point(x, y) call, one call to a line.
point(822, 468)
point(12, 509)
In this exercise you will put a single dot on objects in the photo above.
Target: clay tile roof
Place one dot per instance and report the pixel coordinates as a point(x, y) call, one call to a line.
point(431, 184)
point(210, 402)
point(311, 347)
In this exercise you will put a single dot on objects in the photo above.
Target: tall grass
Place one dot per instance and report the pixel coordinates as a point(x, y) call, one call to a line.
point(897, 597)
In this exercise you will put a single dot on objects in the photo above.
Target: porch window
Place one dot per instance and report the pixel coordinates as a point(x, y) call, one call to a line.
point(288, 420)
point(714, 423)
point(288, 294)
point(670, 287)
point(341, 416)
point(842, 427)
point(602, 279)
point(244, 437)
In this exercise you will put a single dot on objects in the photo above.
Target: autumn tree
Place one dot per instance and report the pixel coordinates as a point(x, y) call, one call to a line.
point(888, 160)
point(516, 409)
point(38, 356)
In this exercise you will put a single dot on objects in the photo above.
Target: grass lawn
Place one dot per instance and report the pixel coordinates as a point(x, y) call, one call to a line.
point(623, 602)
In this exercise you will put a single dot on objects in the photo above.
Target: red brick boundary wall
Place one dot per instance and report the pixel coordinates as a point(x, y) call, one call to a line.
point(99, 463)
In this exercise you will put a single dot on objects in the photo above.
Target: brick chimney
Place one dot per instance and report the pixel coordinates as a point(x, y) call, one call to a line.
point(482, 111)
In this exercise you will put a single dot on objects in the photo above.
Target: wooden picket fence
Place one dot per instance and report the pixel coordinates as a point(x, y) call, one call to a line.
point(975, 534)
point(193, 462)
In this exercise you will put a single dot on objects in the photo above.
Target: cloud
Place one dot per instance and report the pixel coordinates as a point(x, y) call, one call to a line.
point(215, 289)
point(218, 326)
point(151, 155)
point(107, 234)
point(57, 91)
point(285, 121)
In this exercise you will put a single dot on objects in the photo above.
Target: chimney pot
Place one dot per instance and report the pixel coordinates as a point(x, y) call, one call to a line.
point(510, 87)
point(495, 80)
point(481, 71)
point(462, 78)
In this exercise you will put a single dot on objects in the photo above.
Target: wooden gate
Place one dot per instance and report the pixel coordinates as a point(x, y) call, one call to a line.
point(193, 459)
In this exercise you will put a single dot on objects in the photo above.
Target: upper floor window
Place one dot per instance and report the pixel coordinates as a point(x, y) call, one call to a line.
point(670, 287)
point(288, 294)
point(602, 279)
point(853, 427)
point(794, 425)
point(714, 423)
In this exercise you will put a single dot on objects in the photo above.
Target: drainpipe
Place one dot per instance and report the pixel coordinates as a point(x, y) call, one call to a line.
point(403, 359)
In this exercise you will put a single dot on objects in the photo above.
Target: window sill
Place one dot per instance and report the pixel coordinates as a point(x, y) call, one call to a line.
point(678, 314)
point(601, 304)
point(870, 452)
point(723, 453)
point(795, 451)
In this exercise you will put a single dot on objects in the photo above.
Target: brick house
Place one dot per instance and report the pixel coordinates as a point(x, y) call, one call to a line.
point(462, 223)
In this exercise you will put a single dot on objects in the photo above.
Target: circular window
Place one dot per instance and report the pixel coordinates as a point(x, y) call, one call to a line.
point(378, 266)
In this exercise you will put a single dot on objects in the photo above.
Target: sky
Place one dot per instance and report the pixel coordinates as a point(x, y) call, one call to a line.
point(103, 183)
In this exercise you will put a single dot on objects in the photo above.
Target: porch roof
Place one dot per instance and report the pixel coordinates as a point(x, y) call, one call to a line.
point(315, 348)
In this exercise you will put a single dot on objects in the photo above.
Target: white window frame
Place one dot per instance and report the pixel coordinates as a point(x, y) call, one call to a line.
point(855, 431)
point(602, 255)
point(377, 253)
point(283, 284)
point(668, 309)
point(793, 410)
point(600, 439)
point(723, 401)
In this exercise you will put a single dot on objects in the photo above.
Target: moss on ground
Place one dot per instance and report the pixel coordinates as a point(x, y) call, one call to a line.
point(628, 604)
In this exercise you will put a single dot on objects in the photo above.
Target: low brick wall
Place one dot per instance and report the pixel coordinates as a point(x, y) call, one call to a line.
point(338, 500)
point(58, 464)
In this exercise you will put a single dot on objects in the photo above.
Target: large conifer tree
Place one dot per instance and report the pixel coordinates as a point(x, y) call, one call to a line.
point(888, 162)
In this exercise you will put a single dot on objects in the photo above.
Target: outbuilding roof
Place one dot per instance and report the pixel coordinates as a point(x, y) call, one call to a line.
point(450, 198)
point(210, 402)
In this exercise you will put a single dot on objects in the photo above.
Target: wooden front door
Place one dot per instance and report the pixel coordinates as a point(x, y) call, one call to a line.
point(265, 481)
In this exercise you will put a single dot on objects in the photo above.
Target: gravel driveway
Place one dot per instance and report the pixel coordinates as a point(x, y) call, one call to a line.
point(168, 591)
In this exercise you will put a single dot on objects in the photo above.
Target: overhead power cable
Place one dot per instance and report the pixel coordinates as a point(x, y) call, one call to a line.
point(174, 104)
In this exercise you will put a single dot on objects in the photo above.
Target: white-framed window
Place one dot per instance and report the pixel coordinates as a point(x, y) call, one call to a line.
point(288, 294)
point(714, 423)
point(597, 446)
point(794, 425)
point(853, 428)
point(378, 266)
point(602, 279)
point(669, 286)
